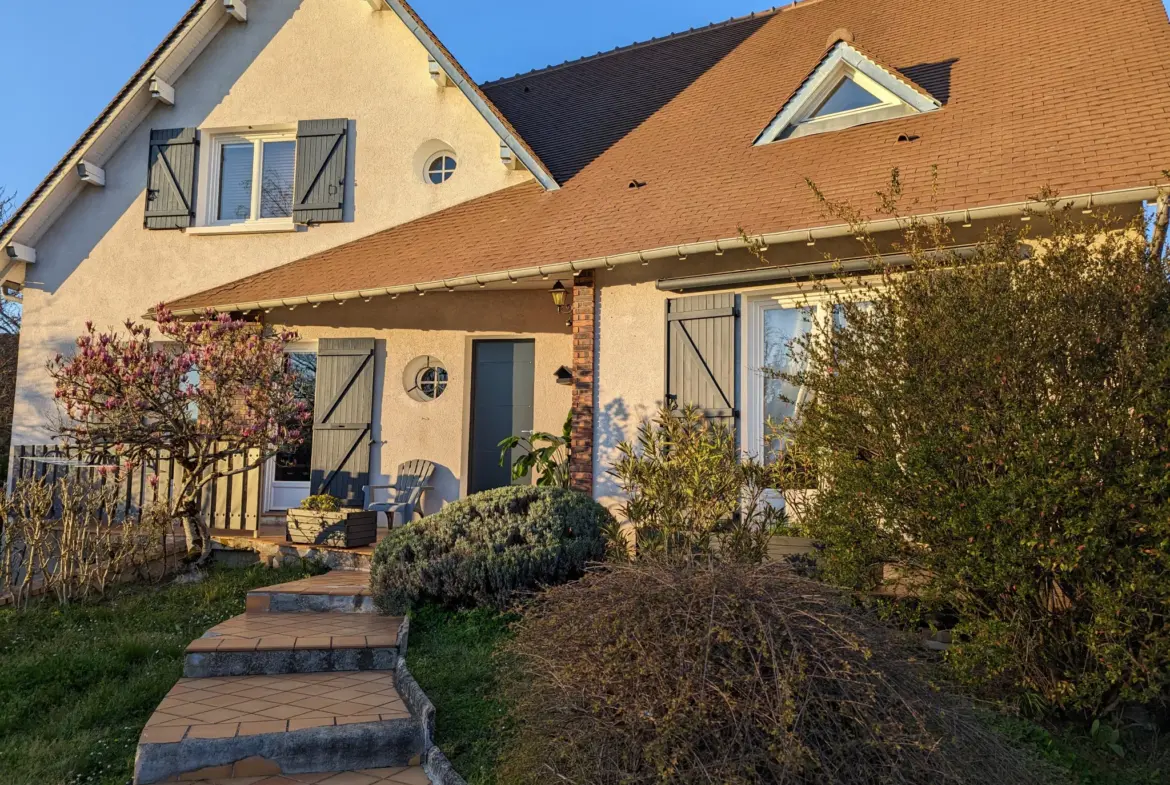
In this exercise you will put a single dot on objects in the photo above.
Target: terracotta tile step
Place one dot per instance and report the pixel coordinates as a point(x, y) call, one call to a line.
point(344, 591)
point(272, 643)
point(314, 722)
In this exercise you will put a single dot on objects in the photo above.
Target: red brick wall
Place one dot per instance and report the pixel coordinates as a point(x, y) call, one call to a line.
point(581, 455)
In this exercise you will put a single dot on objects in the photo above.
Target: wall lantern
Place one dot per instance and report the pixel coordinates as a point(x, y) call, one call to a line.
point(560, 297)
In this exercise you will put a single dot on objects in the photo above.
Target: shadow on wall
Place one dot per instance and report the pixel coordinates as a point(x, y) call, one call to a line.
point(614, 424)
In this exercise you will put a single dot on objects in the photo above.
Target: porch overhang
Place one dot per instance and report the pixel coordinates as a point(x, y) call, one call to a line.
point(471, 281)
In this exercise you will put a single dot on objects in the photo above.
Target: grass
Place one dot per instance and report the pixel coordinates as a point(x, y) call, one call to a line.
point(77, 683)
point(451, 654)
point(1132, 757)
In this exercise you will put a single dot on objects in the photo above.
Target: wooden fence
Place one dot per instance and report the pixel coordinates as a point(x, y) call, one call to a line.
point(234, 502)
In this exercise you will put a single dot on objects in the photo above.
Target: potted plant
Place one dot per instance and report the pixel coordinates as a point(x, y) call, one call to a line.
point(321, 520)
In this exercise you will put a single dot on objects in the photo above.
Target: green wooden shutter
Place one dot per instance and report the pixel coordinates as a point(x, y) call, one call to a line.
point(702, 354)
point(320, 177)
point(170, 190)
point(343, 408)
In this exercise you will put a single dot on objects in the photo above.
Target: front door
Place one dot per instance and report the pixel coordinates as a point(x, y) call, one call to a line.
point(502, 377)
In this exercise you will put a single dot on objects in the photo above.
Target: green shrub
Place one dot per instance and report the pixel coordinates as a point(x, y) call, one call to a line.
point(691, 494)
point(487, 548)
point(997, 429)
point(322, 502)
point(655, 674)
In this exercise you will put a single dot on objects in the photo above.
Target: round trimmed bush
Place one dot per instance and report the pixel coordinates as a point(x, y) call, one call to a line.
point(486, 548)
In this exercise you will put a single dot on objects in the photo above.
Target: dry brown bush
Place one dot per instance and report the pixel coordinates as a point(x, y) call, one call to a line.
point(732, 674)
point(67, 538)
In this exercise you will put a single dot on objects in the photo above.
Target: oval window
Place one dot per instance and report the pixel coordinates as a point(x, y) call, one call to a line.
point(425, 378)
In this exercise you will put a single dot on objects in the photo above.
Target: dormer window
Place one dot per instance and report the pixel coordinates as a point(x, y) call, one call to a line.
point(847, 88)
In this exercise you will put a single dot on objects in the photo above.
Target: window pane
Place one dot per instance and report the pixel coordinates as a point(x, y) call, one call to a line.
point(235, 182)
point(781, 327)
point(276, 189)
point(846, 96)
point(295, 466)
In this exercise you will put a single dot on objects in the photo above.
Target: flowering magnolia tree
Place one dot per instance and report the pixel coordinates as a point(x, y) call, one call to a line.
point(204, 391)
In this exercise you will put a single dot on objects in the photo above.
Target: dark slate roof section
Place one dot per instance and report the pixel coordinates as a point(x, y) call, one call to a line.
point(574, 112)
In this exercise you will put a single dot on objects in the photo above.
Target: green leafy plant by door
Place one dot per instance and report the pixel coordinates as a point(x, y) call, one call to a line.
point(544, 453)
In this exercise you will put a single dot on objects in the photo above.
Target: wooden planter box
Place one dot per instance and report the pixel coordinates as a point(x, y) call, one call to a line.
point(343, 529)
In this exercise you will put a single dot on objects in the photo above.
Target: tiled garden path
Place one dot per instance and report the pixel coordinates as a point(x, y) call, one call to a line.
point(289, 698)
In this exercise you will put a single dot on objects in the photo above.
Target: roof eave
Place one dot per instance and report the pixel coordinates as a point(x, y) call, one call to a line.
point(1083, 201)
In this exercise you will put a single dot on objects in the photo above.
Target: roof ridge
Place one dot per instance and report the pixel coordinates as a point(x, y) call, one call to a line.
point(650, 42)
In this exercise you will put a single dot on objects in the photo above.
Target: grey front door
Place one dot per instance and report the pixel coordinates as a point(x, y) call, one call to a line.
point(502, 377)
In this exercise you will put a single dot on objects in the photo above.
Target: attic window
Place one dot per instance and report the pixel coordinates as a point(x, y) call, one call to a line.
point(847, 88)
point(846, 97)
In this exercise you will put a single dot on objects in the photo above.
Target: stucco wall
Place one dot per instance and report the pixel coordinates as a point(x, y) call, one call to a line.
point(293, 60)
point(443, 326)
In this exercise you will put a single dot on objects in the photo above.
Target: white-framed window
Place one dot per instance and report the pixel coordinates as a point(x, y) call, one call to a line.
point(251, 178)
point(440, 167)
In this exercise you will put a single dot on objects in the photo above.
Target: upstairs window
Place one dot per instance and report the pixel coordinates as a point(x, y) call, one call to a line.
point(253, 177)
point(846, 97)
point(441, 168)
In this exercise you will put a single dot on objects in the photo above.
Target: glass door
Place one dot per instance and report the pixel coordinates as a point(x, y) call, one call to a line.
point(289, 471)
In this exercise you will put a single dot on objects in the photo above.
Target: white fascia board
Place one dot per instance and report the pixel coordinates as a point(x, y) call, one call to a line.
point(38, 214)
point(842, 55)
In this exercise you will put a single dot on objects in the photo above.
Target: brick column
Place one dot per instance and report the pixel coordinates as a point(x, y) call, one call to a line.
point(581, 454)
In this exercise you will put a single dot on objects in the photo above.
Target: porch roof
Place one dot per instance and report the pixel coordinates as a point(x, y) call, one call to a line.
point(653, 144)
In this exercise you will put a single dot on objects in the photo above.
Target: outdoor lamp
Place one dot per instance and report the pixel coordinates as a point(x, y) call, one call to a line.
point(560, 297)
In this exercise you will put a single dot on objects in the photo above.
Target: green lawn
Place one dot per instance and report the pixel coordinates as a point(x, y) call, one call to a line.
point(78, 683)
point(451, 655)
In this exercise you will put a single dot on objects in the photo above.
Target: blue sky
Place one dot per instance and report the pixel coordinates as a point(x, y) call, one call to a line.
point(66, 59)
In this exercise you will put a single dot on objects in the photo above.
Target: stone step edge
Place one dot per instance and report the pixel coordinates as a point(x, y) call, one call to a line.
point(361, 745)
point(207, 664)
point(259, 601)
point(277, 662)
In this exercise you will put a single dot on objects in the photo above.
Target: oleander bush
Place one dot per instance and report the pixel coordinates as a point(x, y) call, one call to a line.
point(487, 549)
point(995, 430)
point(736, 674)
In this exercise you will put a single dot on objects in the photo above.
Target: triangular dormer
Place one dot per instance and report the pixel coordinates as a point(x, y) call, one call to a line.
point(847, 88)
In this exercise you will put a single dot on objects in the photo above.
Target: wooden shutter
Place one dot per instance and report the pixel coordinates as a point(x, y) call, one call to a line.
point(702, 354)
point(170, 190)
point(342, 413)
point(320, 178)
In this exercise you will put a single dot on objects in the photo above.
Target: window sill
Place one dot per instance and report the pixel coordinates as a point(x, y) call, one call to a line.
point(256, 228)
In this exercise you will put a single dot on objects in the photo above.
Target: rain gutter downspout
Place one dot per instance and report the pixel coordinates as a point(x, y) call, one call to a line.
point(1096, 200)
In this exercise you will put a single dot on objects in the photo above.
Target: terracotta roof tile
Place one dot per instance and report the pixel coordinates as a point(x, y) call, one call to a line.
point(1065, 93)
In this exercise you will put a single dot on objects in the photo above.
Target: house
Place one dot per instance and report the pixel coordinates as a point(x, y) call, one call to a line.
point(328, 166)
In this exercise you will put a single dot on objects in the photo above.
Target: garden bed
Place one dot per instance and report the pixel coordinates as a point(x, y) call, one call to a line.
point(78, 683)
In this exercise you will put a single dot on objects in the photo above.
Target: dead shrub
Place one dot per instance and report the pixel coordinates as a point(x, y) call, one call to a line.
point(730, 674)
point(67, 539)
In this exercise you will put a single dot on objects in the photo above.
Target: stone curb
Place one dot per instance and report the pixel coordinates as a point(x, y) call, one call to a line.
point(438, 769)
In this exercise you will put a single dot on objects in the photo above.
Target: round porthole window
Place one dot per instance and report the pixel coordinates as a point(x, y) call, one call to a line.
point(440, 168)
point(425, 378)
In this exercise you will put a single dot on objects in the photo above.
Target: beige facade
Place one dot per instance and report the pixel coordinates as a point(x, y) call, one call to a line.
point(442, 326)
point(293, 60)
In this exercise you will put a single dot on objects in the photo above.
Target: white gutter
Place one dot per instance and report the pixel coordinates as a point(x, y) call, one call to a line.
point(1012, 209)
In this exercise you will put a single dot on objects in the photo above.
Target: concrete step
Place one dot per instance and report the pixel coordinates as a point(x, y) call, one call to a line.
point(274, 643)
point(292, 724)
point(340, 591)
